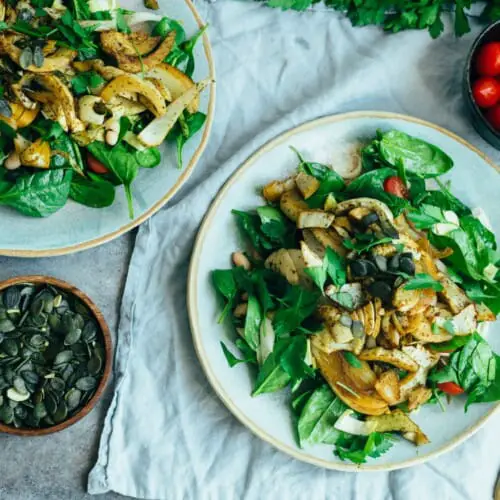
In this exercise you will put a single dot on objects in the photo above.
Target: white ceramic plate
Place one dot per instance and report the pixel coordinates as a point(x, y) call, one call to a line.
point(76, 227)
point(474, 180)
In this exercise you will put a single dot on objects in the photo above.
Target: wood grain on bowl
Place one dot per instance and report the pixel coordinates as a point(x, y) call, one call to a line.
point(106, 338)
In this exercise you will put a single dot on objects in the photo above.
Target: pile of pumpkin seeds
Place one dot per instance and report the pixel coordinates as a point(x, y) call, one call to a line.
point(51, 356)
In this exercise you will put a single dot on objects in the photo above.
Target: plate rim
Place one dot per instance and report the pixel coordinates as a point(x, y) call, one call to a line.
point(192, 303)
point(186, 174)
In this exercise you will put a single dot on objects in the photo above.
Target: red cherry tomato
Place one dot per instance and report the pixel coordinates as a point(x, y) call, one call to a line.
point(451, 388)
point(493, 116)
point(95, 165)
point(486, 91)
point(395, 185)
point(488, 59)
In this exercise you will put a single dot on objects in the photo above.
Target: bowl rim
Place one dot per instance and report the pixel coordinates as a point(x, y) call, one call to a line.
point(468, 82)
point(108, 348)
point(183, 178)
point(192, 301)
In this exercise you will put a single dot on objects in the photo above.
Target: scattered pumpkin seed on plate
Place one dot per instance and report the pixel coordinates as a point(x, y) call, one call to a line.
point(51, 356)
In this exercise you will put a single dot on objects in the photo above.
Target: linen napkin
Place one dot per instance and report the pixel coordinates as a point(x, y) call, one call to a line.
point(166, 435)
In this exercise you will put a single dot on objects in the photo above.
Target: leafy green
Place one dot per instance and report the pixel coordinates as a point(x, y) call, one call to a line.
point(472, 246)
point(225, 284)
point(334, 266)
point(267, 229)
point(121, 163)
point(294, 308)
point(291, 352)
point(397, 15)
point(187, 126)
point(80, 9)
point(85, 82)
point(40, 194)
point(271, 377)
point(95, 193)
point(253, 320)
point(371, 185)
point(423, 281)
point(415, 155)
point(358, 448)
point(148, 158)
point(77, 37)
point(364, 242)
point(318, 416)
point(232, 360)
point(121, 22)
point(451, 345)
point(475, 369)
point(330, 181)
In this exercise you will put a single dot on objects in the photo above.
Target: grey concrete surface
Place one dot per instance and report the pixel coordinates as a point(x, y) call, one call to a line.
point(55, 467)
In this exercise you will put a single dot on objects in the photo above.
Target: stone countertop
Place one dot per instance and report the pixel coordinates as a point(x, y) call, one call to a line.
point(55, 467)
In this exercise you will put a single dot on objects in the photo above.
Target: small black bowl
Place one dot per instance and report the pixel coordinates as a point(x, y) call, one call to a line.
point(483, 127)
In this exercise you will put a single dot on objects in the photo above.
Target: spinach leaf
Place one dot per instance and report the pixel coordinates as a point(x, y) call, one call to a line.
point(121, 162)
point(267, 229)
point(148, 158)
point(472, 245)
point(225, 284)
point(276, 226)
point(415, 155)
point(371, 185)
point(271, 377)
point(318, 416)
point(442, 200)
point(187, 126)
point(358, 448)
point(330, 181)
point(166, 25)
point(423, 281)
point(253, 320)
point(291, 353)
point(451, 345)
point(95, 193)
point(232, 360)
point(40, 194)
point(80, 9)
point(473, 367)
point(295, 307)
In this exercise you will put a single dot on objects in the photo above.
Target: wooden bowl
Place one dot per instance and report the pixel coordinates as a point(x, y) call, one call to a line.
point(63, 285)
point(481, 124)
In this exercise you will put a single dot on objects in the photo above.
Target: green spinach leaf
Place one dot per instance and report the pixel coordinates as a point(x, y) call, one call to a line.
point(95, 193)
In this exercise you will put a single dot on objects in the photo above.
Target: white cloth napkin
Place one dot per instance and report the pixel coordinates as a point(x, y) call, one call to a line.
point(166, 435)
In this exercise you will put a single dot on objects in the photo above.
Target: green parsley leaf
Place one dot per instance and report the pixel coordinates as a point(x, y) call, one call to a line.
point(352, 359)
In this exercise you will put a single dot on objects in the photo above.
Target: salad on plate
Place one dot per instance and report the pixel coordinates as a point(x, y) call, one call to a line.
point(365, 295)
point(88, 91)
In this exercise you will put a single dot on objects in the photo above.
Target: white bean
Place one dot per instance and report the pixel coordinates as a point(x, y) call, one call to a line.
point(13, 161)
point(241, 260)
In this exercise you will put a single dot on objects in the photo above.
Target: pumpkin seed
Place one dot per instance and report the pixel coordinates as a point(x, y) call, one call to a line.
point(39, 411)
point(73, 337)
point(51, 356)
point(6, 414)
point(73, 397)
point(38, 57)
point(10, 347)
point(7, 326)
point(61, 413)
point(86, 383)
point(63, 357)
point(12, 296)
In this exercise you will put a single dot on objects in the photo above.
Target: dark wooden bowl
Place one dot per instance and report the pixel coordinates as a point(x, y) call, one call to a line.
point(483, 127)
point(63, 285)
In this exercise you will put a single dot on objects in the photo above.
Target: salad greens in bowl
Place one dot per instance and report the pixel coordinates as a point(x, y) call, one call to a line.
point(94, 99)
point(362, 294)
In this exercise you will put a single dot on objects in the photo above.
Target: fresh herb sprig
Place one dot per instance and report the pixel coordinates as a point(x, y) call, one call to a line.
point(395, 16)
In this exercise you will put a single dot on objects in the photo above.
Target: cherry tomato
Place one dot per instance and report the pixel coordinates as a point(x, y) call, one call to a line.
point(95, 165)
point(451, 388)
point(493, 116)
point(486, 91)
point(395, 185)
point(488, 59)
